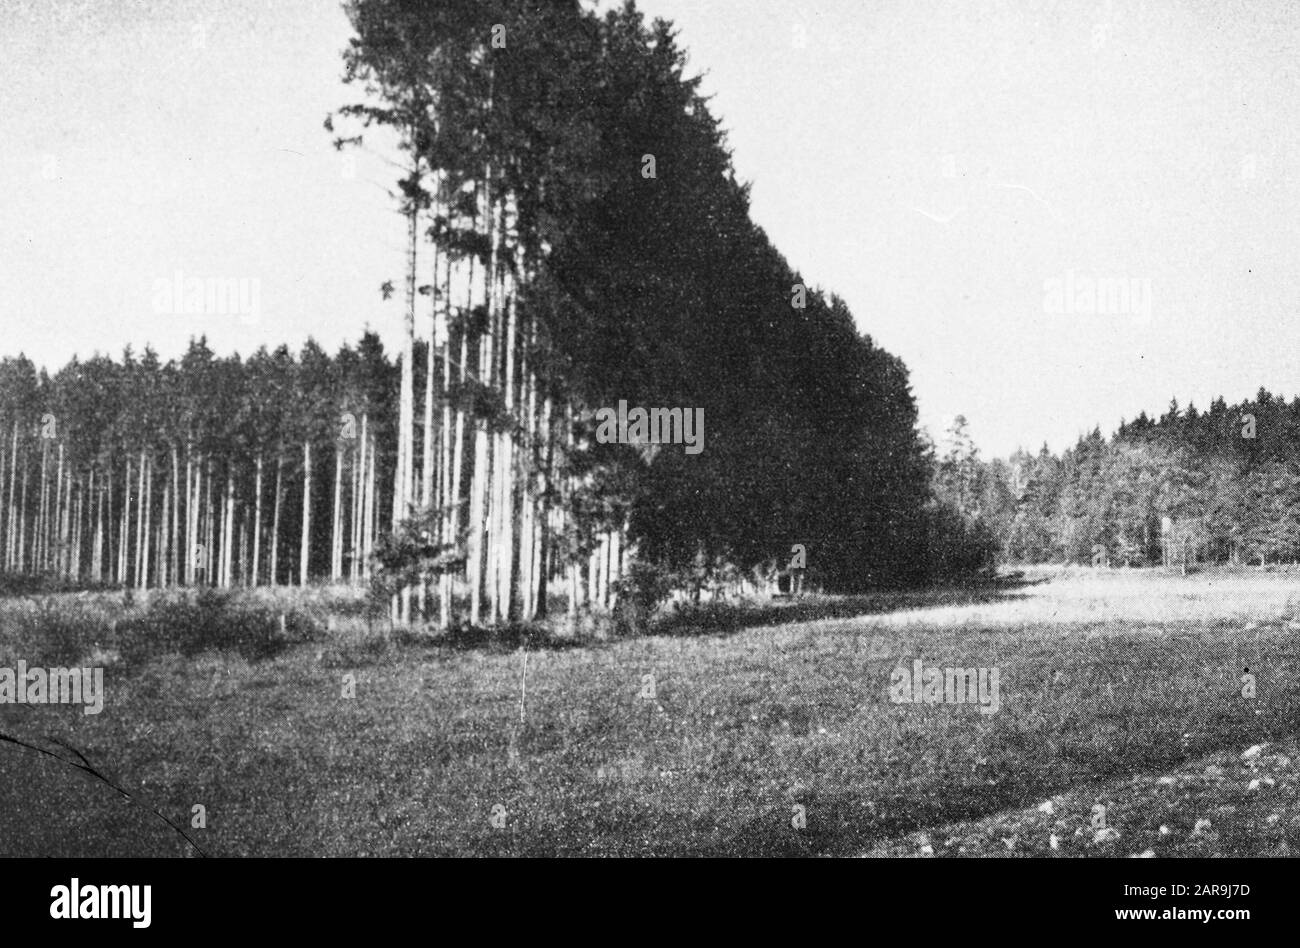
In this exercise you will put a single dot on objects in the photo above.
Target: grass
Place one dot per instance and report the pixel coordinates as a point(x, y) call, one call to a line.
point(1106, 678)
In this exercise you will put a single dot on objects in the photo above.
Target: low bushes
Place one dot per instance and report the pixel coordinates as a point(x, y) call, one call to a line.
point(67, 630)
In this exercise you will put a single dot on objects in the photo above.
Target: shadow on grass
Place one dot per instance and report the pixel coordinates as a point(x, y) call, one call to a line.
point(721, 618)
point(849, 823)
point(533, 636)
point(707, 618)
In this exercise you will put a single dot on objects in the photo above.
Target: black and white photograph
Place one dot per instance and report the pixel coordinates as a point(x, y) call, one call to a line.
point(644, 429)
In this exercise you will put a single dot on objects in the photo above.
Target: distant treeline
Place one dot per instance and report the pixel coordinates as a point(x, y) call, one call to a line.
point(1218, 486)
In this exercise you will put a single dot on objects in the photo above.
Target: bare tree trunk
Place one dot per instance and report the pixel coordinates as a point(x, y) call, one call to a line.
point(138, 558)
point(69, 542)
point(221, 541)
point(187, 552)
point(304, 561)
point(42, 503)
point(11, 539)
point(402, 478)
point(456, 507)
point(56, 560)
point(22, 523)
point(97, 546)
point(336, 527)
point(254, 575)
point(78, 513)
point(430, 374)
point(164, 538)
point(86, 535)
point(369, 504)
point(210, 527)
point(245, 574)
point(358, 481)
point(191, 517)
point(88, 508)
point(228, 538)
point(275, 519)
point(124, 534)
point(544, 566)
point(173, 559)
point(506, 547)
point(360, 503)
point(481, 507)
point(100, 553)
point(524, 480)
point(147, 494)
point(5, 515)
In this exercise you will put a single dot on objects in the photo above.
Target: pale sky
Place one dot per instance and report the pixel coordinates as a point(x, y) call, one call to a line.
point(936, 164)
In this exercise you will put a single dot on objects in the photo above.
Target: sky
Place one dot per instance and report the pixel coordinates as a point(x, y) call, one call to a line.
point(1058, 214)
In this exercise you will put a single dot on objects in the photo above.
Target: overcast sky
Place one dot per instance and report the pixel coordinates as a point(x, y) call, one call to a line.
point(958, 172)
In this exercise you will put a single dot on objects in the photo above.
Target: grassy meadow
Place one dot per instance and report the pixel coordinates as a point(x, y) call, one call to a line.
point(761, 729)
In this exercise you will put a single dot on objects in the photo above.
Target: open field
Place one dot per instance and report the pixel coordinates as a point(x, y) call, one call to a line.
point(1119, 689)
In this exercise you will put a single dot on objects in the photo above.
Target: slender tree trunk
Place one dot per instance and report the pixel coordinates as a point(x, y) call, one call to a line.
point(444, 497)
point(11, 539)
point(97, 547)
point(506, 567)
point(137, 528)
point(336, 526)
point(359, 500)
point(146, 492)
point(196, 545)
point(228, 532)
point(275, 518)
point(6, 521)
point(221, 541)
point(367, 502)
point(457, 507)
point(544, 516)
point(255, 574)
point(42, 505)
point(245, 574)
point(174, 572)
point(6, 511)
point(22, 523)
point(191, 518)
point(406, 407)
point(482, 548)
point(103, 545)
point(87, 502)
point(196, 527)
point(304, 562)
point(187, 553)
point(56, 559)
point(354, 512)
point(124, 541)
point(62, 501)
point(210, 527)
point(372, 512)
point(164, 536)
point(430, 379)
point(77, 510)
